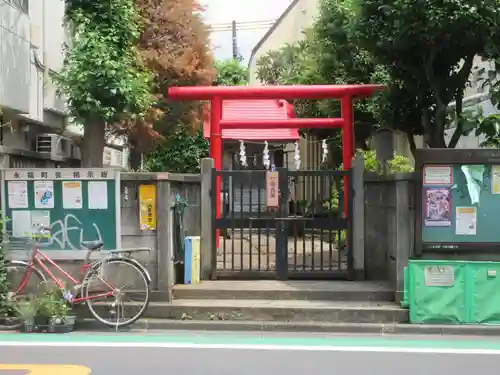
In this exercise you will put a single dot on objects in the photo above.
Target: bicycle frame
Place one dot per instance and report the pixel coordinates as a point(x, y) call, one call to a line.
point(77, 283)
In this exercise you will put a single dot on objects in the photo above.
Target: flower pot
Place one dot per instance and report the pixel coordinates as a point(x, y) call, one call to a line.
point(70, 319)
point(29, 325)
point(61, 325)
point(41, 320)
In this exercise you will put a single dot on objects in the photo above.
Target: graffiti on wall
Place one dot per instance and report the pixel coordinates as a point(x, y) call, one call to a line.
point(62, 230)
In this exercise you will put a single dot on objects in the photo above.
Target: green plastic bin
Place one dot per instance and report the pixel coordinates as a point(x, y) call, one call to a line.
point(453, 292)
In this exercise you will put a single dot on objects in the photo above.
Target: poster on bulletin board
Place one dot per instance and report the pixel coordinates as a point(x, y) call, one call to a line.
point(437, 207)
point(457, 199)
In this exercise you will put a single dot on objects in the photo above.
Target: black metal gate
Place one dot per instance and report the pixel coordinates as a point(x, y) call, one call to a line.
point(306, 236)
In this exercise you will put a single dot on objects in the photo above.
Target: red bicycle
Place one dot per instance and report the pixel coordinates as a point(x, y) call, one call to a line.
point(105, 299)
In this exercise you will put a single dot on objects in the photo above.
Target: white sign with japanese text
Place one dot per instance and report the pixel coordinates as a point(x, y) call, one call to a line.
point(60, 174)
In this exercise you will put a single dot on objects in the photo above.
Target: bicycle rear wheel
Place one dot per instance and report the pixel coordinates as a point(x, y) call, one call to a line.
point(23, 282)
point(133, 295)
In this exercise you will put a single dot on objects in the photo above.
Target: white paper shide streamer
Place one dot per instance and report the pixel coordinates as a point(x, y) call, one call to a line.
point(265, 159)
point(297, 156)
point(324, 146)
point(243, 155)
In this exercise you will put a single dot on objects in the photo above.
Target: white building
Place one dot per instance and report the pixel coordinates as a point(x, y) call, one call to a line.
point(34, 128)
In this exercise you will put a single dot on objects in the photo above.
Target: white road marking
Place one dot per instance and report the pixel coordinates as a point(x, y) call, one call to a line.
point(318, 348)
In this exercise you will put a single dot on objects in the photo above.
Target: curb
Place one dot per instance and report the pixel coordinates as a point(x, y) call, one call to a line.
point(145, 325)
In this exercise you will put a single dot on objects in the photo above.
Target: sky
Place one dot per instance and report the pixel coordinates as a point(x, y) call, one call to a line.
point(223, 11)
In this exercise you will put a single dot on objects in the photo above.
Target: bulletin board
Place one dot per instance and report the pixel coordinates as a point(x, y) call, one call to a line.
point(78, 204)
point(457, 200)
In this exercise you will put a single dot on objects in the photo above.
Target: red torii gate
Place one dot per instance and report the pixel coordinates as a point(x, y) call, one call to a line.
point(216, 94)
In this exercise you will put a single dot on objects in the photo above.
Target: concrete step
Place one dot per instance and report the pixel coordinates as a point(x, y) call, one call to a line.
point(158, 325)
point(286, 290)
point(277, 310)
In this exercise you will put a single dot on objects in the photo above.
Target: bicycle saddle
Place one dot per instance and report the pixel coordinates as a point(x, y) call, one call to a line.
point(92, 245)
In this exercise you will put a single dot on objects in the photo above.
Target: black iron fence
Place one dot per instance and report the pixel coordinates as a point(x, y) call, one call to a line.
point(306, 236)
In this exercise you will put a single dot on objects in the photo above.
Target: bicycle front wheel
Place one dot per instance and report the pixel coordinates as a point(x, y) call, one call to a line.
point(117, 292)
point(23, 282)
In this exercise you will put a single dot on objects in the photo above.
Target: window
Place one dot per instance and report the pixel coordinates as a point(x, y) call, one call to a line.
point(22, 5)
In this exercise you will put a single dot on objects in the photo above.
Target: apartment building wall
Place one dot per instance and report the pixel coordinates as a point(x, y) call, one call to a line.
point(14, 57)
point(32, 39)
point(288, 29)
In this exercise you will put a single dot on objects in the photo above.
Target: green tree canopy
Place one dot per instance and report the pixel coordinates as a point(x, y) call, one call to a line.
point(429, 46)
point(230, 73)
point(181, 151)
point(103, 78)
point(422, 50)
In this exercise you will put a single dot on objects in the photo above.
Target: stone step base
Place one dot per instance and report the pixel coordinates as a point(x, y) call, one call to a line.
point(286, 290)
point(272, 311)
point(158, 325)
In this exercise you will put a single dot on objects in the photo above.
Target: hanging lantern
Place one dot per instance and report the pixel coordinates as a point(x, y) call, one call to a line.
point(243, 155)
point(324, 146)
point(297, 156)
point(265, 158)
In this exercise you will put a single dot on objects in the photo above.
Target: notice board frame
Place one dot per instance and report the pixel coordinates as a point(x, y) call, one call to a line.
point(440, 156)
point(22, 249)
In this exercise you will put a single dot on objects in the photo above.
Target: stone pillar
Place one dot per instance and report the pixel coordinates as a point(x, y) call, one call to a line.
point(166, 277)
point(404, 233)
point(207, 219)
point(358, 217)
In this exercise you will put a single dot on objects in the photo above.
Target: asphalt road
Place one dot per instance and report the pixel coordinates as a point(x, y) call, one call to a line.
point(244, 355)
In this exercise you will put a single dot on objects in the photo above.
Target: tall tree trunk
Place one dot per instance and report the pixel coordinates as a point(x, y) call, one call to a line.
point(439, 126)
point(411, 142)
point(135, 158)
point(459, 103)
point(93, 142)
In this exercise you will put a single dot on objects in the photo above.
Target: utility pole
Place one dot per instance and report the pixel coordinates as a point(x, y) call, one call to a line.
point(235, 42)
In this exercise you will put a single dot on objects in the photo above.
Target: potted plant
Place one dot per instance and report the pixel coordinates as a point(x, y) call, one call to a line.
point(54, 312)
point(46, 312)
point(28, 310)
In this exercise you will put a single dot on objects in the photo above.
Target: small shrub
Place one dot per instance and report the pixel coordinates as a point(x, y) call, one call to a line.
point(5, 306)
point(399, 164)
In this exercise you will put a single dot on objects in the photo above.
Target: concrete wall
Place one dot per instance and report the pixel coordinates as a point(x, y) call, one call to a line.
point(15, 54)
point(388, 227)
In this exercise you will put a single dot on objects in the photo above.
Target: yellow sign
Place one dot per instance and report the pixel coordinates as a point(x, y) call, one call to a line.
point(47, 369)
point(147, 207)
point(495, 179)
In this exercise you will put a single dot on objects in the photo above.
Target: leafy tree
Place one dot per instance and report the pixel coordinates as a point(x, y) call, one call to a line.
point(329, 54)
point(5, 305)
point(179, 153)
point(174, 45)
point(103, 78)
point(429, 47)
point(230, 73)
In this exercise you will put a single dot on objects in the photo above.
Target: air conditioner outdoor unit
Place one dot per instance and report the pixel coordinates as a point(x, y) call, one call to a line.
point(54, 145)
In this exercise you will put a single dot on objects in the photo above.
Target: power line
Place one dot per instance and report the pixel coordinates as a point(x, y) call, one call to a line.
point(249, 25)
point(242, 28)
point(222, 24)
